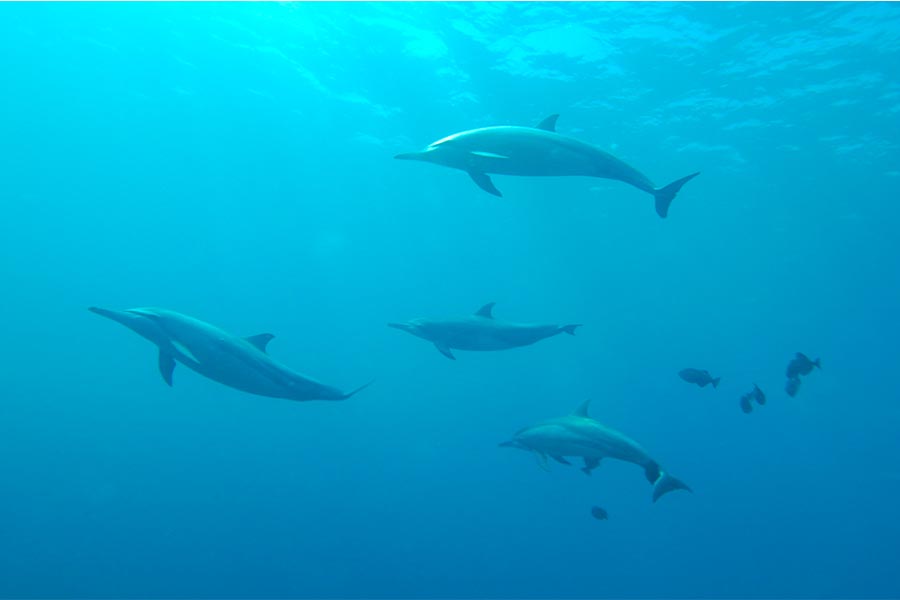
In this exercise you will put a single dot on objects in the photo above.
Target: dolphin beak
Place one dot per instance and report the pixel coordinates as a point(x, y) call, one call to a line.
point(400, 326)
point(509, 444)
point(409, 156)
point(119, 316)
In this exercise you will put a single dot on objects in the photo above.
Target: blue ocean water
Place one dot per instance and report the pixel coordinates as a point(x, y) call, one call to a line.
point(234, 162)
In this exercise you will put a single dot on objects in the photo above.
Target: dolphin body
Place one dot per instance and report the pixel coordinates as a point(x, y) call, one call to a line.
point(536, 151)
point(241, 363)
point(479, 331)
point(581, 436)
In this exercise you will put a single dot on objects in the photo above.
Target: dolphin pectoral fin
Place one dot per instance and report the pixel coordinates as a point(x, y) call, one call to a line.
point(541, 460)
point(260, 340)
point(561, 460)
point(445, 350)
point(548, 124)
point(665, 195)
point(484, 182)
point(166, 366)
point(589, 465)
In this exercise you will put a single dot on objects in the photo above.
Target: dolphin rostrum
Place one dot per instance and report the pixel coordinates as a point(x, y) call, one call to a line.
point(237, 362)
point(479, 331)
point(578, 435)
point(536, 151)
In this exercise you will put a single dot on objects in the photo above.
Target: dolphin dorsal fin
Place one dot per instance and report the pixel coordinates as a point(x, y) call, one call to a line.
point(582, 411)
point(548, 124)
point(260, 340)
point(485, 311)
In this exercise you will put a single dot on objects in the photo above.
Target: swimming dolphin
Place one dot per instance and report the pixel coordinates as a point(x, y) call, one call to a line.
point(581, 436)
point(237, 362)
point(480, 331)
point(536, 151)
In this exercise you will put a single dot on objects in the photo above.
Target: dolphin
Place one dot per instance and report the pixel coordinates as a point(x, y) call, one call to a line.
point(479, 331)
point(536, 151)
point(581, 436)
point(238, 362)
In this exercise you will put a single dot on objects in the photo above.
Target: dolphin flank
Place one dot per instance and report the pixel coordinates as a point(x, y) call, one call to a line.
point(240, 363)
point(536, 151)
point(479, 331)
point(581, 436)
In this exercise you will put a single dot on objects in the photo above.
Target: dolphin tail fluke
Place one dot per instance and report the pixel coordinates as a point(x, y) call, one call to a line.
point(665, 195)
point(357, 390)
point(665, 484)
point(716, 381)
point(570, 329)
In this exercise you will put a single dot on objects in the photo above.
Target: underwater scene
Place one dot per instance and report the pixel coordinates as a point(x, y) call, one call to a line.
point(450, 300)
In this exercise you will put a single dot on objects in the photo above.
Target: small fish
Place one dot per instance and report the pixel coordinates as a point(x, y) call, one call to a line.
point(801, 365)
point(758, 395)
point(599, 513)
point(754, 394)
point(700, 377)
point(792, 387)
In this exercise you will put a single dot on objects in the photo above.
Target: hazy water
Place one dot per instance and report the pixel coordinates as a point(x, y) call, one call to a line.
point(234, 162)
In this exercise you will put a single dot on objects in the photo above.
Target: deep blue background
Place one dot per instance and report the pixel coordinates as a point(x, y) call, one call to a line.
point(234, 162)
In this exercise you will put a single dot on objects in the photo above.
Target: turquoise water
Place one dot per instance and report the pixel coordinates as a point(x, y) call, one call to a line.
point(235, 163)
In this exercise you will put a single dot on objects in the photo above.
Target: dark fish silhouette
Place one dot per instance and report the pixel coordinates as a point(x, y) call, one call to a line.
point(801, 365)
point(748, 398)
point(792, 387)
point(599, 513)
point(758, 395)
point(699, 377)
